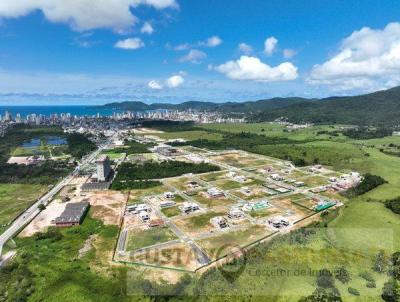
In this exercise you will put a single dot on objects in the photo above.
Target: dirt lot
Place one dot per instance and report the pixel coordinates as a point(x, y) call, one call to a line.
point(290, 210)
point(107, 205)
point(43, 220)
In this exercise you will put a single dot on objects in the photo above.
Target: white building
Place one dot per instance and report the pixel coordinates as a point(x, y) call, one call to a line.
point(103, 167)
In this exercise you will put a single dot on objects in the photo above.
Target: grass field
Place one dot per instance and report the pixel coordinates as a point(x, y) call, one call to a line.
point(14, 198)
point(172, 211)
point(113, 155)
point(143, 238)
point(220, 245)
point(190, 135)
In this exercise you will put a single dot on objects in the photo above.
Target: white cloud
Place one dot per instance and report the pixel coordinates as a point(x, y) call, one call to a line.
point(155, 85)
point(130, 43)
point(83, 15)
point(366, 58)
point(172, 82)
point(213, 41)
point(175, 81)
point(289, 53)
point(251, 68)
point(194, 56)
point(270, 45)
point(147, 28)
point(245, 48)
point(183, 46)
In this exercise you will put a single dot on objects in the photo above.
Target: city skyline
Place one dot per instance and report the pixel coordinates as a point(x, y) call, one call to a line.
point(173, 51)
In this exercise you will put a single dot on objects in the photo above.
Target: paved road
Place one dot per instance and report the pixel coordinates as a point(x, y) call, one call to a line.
point(7, 257)
point(31, 212)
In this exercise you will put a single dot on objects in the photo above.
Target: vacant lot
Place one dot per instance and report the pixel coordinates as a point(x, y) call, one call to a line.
point(220, 245)
point(142, 238)
point(190, 135)
point(14, 198)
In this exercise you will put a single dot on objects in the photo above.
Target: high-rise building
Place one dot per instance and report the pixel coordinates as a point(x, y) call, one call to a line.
point(103, 167)
point(7, 116)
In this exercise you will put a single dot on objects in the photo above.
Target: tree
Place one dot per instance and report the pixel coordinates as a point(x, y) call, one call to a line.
point(41, 207)
point(391, 291)
point(325, 279)
point(395, 266)
point(342, 274)
point(381, 262)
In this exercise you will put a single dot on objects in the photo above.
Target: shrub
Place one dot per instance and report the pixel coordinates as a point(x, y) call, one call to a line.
point(371, 284)
point(342, 274)
point(325, 279)
point(394, 205)
point(367, 276)
point(353, 291)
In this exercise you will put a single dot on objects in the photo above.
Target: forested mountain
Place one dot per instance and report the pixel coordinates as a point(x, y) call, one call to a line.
point(378, 108)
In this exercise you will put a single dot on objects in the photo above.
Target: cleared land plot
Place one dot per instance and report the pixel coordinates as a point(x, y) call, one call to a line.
point(228, 184)
point(140, 238)
point(221, 245)
point(197, 224)
point(14, 198)
point(136, 196)
point(180, 183)
point(289, 209)
point(264, 213)
point(238, 160)
point(192, 149)
point(255, 193)
point(107, 205)
point(314, 181)
point(42, 221)
point(203, 198)
point(190, 135)
point(171, 211)
point(308, 203)
point(176, 255)
point(212, 176)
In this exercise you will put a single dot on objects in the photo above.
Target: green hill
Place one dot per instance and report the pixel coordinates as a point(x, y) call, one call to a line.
point(378, 108)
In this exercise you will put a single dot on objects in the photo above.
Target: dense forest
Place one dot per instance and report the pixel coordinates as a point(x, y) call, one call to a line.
point(378, 108)
point(367, 133)
point(132, 176)
point(79, 145)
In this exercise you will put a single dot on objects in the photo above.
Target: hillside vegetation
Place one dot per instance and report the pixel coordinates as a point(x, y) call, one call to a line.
point(378, 108)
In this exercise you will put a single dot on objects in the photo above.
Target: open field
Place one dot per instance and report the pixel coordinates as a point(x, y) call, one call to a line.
point(189, 135)
point(220, 245)
point(143, 238)
point(14, 198)
point(177, 255)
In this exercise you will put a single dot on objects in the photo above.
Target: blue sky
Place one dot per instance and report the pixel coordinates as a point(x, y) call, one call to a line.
point(92, 52)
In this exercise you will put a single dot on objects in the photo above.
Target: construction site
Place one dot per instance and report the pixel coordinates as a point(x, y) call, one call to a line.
point(195, 220)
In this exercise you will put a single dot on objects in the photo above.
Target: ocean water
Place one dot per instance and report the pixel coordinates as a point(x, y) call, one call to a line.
point(48, 110)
